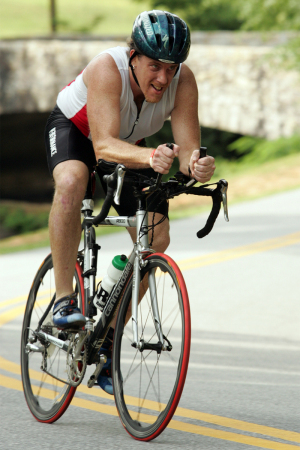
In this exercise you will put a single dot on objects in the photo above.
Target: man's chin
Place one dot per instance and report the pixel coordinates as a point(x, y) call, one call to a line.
point(152, 100)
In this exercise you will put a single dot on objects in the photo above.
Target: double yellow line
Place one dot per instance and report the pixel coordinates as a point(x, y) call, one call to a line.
point(217, 421)
point(224, 422)
point(240, 252)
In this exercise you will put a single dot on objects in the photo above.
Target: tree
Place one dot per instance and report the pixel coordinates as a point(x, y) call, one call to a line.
point(53, 16)
point(270, 15)
point(203, 14)
point(235, 14)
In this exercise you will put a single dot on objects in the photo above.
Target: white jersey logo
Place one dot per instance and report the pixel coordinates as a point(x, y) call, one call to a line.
point(52, 137)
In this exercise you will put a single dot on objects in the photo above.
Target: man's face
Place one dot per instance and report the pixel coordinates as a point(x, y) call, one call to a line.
point(154, 77)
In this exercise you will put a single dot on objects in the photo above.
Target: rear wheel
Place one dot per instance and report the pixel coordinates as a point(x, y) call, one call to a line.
point(148, 383)
point(45, 367)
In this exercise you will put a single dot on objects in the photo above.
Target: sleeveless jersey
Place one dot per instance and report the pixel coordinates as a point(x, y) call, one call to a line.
point(134, 127)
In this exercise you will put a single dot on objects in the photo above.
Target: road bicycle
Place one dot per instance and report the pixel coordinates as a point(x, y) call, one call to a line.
point(151, 343)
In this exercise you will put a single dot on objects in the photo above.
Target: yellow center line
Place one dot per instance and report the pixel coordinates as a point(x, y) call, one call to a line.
point(152, 405)
point(188, 264)
point(239, 252)
point(11, 383)
point(11, 315)
point(13, 301)
point(22, 298)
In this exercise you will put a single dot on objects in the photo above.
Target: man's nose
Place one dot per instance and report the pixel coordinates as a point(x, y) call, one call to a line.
point(162, 77)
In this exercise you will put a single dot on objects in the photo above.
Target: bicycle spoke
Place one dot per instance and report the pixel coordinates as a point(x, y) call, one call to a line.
point(156, 378)
point(44, 377)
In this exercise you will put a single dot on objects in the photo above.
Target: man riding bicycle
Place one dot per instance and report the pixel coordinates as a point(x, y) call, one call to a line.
point(121, 97)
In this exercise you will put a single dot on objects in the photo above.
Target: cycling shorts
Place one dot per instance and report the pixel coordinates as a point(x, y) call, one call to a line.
point(65, 142)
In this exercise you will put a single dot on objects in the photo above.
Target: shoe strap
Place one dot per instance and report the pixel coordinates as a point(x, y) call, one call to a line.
point(68, 300)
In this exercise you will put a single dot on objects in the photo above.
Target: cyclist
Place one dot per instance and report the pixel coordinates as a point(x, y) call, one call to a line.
point(121, 97)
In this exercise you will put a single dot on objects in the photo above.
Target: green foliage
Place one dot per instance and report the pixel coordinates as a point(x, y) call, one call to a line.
point(23, 18)
point(18, 221)
point(254, 150)
point(68, 26)
point(204, 14)
point(270, 14)
point(235, 14)
point(287, 56)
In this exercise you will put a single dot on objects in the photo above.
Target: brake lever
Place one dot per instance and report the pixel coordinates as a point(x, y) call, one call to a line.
point(203, 153)
point(120, 180)
point(224, 187)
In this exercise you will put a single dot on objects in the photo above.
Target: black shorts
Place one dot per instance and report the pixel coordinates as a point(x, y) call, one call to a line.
point(65, 142)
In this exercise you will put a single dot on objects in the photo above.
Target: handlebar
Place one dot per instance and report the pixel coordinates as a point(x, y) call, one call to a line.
point(175, 186)
point(219, 195)
point(114, 186)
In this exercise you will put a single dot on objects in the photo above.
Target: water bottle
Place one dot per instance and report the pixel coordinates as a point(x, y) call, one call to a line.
point(114, 272)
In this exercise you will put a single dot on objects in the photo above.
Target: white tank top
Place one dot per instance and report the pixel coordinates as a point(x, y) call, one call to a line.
point(134, 127)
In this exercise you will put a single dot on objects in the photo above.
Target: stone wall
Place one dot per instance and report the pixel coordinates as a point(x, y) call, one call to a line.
point(239, 90)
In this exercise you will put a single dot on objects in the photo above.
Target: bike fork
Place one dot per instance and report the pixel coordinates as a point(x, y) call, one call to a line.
point(140, 249)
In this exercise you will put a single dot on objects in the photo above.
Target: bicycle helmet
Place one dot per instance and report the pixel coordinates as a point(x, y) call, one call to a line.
point(162, 36)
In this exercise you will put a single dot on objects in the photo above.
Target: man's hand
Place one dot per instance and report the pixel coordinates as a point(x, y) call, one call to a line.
point(163, 157)
point(202, 169)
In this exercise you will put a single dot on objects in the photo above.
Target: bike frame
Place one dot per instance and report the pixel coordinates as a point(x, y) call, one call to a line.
point(133, 267)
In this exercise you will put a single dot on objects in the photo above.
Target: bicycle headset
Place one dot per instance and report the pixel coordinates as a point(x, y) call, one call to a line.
point(162, 36)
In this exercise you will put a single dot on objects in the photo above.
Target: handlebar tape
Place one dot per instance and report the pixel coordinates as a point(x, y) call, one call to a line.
point(111, 181)
point(212, 216)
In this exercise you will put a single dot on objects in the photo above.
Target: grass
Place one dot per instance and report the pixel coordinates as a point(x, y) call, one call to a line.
point(40, 238)
point(245, 183)
point(31, 18)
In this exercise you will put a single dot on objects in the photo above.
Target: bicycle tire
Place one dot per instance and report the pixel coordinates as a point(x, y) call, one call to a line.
point(46, 397)
point(144, 409)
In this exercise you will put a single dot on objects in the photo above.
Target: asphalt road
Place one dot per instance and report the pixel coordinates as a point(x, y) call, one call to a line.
point(243, 384)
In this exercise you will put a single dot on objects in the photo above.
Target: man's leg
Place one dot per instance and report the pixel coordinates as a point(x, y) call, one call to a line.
point(71, 178)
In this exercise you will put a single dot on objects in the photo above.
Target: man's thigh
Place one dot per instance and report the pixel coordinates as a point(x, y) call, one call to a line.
point(64, 142)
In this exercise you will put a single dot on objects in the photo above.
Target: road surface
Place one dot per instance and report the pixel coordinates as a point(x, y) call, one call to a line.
point(243, 384)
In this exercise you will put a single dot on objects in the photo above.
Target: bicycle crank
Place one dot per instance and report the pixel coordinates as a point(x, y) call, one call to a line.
point(76, 358)
point(94, 376)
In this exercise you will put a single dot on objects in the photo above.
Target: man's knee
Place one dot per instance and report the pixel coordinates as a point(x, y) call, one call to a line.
point(71, 179)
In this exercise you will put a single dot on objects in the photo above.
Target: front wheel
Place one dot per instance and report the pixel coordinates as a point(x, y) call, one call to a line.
point(44, 367)
point(148, 383)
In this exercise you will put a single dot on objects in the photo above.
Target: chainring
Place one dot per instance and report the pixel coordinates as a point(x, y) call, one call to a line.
point(76, 366)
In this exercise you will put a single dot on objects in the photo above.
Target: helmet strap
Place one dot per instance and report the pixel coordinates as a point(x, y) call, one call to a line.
point(131, 67)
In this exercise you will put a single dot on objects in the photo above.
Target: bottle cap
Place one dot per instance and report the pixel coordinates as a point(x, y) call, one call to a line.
point(119, 262)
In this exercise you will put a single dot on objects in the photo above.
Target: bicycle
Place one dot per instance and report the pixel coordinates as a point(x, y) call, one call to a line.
point(152, 336)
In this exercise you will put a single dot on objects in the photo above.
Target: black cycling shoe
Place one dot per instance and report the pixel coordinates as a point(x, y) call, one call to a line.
point(66, 313)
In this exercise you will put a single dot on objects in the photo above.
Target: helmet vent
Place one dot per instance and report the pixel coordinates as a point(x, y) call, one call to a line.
point(181, 46)
point(171, 43)
point(158, 40)
point(153, 18)
point(170, 19)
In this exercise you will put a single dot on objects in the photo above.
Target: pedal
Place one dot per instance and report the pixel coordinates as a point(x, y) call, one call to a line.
point(98, 369)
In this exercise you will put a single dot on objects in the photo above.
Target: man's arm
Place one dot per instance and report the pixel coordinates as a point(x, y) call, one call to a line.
point(186, 128)
point(104, 87)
